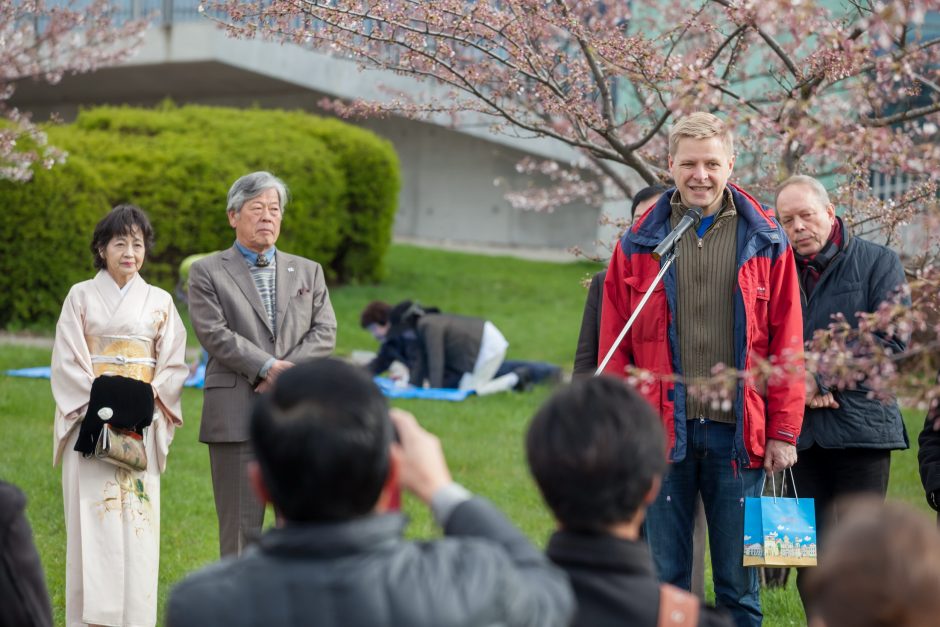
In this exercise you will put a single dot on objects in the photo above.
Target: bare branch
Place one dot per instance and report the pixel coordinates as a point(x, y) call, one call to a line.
point(903, 116)
point(728, 39)
point(614, 176)
point(768, 38)
point(642, 141)
point(599, 78)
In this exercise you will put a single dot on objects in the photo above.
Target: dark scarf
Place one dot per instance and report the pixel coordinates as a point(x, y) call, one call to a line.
point(811, 267)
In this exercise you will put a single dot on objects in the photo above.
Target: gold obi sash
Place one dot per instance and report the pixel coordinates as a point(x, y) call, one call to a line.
point(129, 356)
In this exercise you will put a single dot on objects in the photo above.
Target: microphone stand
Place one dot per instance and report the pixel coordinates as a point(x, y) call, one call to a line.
point(667, 260)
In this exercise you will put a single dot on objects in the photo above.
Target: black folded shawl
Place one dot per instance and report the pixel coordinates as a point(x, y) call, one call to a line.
point(131, 403)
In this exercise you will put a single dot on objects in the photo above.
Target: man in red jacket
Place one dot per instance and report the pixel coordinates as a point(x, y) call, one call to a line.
point(732, 298)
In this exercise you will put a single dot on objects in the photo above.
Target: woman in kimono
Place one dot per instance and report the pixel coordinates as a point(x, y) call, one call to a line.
point(115, 324)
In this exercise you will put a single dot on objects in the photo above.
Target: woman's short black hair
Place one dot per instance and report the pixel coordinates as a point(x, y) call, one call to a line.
point(120, 221)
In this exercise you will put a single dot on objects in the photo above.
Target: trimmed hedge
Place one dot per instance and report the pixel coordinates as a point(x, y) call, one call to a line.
point(45, 237)
point(177, 163)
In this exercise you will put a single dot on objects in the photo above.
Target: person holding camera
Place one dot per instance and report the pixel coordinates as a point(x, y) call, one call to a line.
point(328, 460)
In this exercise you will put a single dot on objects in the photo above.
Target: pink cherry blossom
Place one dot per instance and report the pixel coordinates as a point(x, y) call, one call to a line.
point(44, 41)
point(835, 90)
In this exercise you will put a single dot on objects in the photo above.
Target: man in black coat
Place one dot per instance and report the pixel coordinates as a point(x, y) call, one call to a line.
point(598, 453)
point(847, 438)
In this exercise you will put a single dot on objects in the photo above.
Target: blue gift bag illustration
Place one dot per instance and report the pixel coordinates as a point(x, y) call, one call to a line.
point(779, 531)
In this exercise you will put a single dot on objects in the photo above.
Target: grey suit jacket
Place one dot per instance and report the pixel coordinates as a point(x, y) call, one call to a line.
point(231, 324)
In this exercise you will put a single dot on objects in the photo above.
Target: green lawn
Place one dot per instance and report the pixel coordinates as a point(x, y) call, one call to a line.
point(536, 305)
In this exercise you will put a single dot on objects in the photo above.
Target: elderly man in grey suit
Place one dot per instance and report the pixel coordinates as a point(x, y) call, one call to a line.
point(257, 311)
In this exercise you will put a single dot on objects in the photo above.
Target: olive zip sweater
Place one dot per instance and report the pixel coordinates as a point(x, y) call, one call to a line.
point(706, 277)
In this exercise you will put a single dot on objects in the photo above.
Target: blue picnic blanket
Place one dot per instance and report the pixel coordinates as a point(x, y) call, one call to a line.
point(40, 372)
point(391, 390)
point(195, 380)
point(385, 384)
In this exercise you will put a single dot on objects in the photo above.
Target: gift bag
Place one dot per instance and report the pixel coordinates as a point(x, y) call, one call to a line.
point(779, 531)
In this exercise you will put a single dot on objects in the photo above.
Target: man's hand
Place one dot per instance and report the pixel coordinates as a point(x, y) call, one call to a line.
point(276, 368)
point(779, 456)
point(815, 399)
point(822, 400)
point(423, 467)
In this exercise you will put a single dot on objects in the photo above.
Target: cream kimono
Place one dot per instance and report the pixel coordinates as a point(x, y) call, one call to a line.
point(112, 516)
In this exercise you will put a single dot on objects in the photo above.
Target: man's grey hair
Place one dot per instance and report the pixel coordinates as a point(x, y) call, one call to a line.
point(251, 185)
point(814, 185)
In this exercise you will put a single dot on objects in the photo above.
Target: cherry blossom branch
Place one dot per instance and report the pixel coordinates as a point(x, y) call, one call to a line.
point(903, 116)
point(45, 41)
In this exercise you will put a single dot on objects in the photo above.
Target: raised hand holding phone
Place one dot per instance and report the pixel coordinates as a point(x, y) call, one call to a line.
point(423, 468)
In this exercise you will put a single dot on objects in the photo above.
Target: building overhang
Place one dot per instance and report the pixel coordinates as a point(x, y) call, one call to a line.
point(196, 61)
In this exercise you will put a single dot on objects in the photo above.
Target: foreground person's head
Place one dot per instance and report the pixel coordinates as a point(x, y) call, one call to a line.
point(322, 441)
point(598, 452)
point(879, 567)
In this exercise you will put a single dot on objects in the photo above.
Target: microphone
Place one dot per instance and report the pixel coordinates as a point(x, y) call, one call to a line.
point(690, 220)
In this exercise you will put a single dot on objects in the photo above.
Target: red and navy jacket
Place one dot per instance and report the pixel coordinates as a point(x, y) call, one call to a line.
point(768, 327)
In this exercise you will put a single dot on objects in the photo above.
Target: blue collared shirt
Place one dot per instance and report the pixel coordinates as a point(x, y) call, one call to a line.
point(251, 257)
point(706, 222)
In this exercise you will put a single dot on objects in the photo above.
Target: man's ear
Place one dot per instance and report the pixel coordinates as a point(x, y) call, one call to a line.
point(391, 487)
point(257, 483)
point(653, 492)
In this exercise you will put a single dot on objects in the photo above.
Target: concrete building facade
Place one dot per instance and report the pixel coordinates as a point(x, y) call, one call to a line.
point(449, 175)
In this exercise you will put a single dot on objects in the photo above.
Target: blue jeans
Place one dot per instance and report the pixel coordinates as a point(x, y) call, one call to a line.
point(670, 520)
